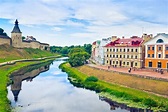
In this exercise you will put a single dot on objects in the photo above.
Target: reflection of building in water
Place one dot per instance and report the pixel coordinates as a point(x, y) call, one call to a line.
point(18, 77)
point(115, 105)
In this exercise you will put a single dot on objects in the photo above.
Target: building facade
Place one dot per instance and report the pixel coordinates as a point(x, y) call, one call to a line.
point(126, 52)
point(157, 52)
point(98, 50)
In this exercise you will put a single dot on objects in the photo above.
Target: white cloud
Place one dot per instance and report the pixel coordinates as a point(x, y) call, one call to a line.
point(57, 29)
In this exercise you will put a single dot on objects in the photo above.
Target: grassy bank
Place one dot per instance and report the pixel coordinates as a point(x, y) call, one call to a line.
point(154, 86)
point(8, 53)
point(4, 79)
point(129, 96)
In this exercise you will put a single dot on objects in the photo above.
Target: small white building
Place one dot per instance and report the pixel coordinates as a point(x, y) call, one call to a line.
point(98, 50)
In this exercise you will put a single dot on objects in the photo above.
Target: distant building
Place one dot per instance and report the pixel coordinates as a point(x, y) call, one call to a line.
point(17, 41)
point(126, 52)
point(98, 50)
point(157, 52)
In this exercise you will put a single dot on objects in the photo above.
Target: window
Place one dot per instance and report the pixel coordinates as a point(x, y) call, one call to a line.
point(136, 57)
point(159, 41)
point(107, 50)
point(124, 50)
point(110, 56)
point(132, 50)
point(110, 50)
point(152, 55)
point(123, 63)
point(107, 61)
point(135, 64)
point(116, 56)
point(166, 55)
point(127, 56)
point(160, 48)
point(153, 48)
point(113, 56)
point(120, 56)
point(123, 56)
point(113, 50)
point(127, 63)
point(120, 50)
point(113, 62)
point(136, 50)
point(132, 56)
point(107, 55)
point(159, 55)
point(127, 50)
point(148, 48)
point(150, 64)
point(117, 50)
point(167, 48)
point(148, 55)
point(116, 62)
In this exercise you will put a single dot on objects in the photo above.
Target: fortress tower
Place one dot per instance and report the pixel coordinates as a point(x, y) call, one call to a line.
point(16, 36)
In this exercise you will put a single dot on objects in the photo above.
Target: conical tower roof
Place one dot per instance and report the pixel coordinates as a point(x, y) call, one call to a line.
point(16, 28)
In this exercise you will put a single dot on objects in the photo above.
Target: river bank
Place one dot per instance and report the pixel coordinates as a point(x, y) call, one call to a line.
point(5, 71)
point(129, 96)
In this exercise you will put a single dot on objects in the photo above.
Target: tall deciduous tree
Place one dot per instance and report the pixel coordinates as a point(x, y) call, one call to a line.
point(78, 57)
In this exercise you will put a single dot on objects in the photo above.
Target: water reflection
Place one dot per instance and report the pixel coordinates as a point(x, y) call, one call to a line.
point(27, 73)
point(51, 91)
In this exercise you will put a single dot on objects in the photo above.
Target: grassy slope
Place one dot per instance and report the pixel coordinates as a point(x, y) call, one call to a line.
point(129, 96)
point(154, 86)
point(8, 53)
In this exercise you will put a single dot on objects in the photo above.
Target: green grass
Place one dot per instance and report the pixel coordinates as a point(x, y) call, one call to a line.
point(8, 53)
point(131, 97)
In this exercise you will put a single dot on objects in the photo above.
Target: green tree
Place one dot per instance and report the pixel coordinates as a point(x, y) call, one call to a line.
point(78, 57)
point(23, 37)
point(2, 32)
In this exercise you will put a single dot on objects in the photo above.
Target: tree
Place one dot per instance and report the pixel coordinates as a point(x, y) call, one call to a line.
point(78, 57)
point(23, 37)
point(2, 32)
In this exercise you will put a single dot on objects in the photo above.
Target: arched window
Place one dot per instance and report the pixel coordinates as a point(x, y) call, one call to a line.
point(159, 41)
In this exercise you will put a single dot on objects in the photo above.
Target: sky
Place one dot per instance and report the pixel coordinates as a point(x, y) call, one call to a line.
point(76, 22)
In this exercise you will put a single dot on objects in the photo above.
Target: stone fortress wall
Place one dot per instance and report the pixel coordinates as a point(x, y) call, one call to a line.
point(16, 40)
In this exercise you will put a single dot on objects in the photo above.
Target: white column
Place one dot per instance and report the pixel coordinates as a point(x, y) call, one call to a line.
point(163, 51)
point(146, 51)
point(155, 51)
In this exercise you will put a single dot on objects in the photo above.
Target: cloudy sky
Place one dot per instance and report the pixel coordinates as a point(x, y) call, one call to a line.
point(75, 22)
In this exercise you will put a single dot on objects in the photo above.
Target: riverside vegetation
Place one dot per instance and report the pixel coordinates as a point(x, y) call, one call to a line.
point(129, 96)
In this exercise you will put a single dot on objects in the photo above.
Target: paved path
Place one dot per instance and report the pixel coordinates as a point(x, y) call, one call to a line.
point(141, 72)
point(22, 60)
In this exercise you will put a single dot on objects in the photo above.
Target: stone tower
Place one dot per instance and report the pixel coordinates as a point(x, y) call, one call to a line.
point(16, 36)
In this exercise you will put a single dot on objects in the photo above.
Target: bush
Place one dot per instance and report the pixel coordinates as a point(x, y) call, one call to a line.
point(150, 103)
point(91, 79)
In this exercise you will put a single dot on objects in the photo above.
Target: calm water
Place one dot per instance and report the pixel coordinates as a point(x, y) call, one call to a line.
point(50, 91)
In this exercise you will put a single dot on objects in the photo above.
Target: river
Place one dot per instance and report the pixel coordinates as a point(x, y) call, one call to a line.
point(47, 89)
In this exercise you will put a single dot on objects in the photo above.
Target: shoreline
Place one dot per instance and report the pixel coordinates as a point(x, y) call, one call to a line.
point(5, 72)
point(129, 96)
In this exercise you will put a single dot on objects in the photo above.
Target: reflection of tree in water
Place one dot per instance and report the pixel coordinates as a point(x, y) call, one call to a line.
point(26, 73)
point(115, 105)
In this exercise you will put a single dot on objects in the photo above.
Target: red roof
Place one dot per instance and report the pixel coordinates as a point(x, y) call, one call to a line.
point(94, 43)
point(132, 42)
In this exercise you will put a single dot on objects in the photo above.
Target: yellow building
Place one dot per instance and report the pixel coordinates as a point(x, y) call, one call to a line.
point(157, 52)
point(126, 52)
